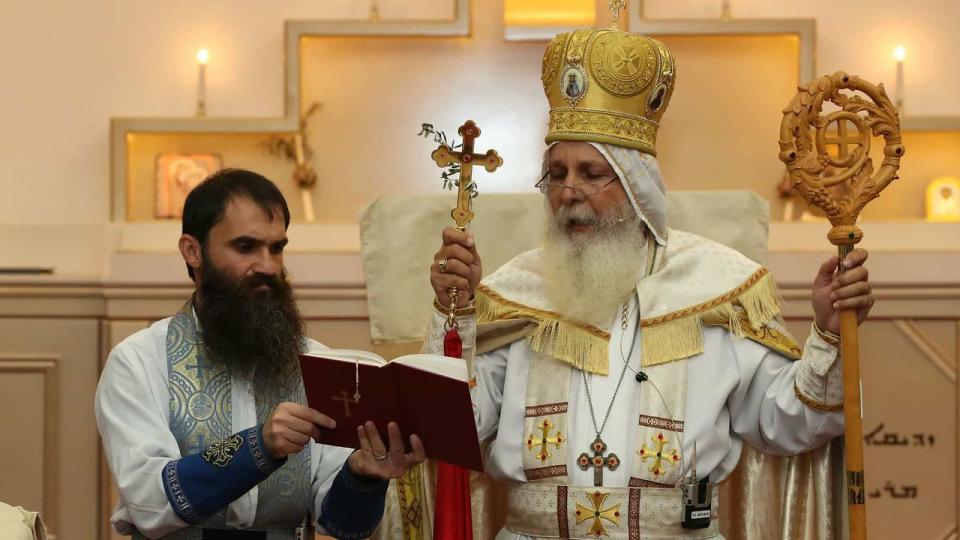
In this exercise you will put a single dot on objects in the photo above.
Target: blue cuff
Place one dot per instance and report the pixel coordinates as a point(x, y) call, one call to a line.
point(200, 484)
point(353, 507)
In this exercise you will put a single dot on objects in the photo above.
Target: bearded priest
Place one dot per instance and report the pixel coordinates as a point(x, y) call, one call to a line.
point(640, 359)
point(202, 414)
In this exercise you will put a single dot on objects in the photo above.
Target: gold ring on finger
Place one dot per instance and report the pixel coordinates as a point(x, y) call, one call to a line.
point(442, 263)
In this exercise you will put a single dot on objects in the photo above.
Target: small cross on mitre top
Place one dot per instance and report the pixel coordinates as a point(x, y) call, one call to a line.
point(616, 6)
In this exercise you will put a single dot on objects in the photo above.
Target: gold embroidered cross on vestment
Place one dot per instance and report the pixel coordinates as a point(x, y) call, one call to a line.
point(598, 513)
point(544, 439)
point(660, 454)
point(221, 452)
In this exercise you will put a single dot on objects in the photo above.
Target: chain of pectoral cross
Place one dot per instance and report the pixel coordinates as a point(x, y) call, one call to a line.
point(598, 460)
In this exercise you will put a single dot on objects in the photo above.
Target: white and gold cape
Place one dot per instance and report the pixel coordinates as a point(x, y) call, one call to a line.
point(697, 285)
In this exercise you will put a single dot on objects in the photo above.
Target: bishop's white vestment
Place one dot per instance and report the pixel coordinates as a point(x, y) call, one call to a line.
point(720, 370)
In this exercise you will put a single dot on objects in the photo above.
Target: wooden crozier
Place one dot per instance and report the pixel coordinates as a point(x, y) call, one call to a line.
point(827, 155)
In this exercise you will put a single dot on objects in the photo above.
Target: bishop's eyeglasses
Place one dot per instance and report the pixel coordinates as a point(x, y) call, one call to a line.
point(548, 185)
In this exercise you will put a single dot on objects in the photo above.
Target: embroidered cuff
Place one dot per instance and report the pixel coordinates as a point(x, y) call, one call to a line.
point(266, 463)
point(353, 507)
point(819, 380)
point(825, 335)
point(200, 484)
point(358, 483)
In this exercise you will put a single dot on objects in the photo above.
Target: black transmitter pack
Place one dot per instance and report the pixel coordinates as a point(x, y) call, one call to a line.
point(697, 496)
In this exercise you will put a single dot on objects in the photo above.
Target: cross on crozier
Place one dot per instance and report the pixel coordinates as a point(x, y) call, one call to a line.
point(843, 138)
point(444, 156)
point(598, 461)
point(544, 439)
point(346, 402)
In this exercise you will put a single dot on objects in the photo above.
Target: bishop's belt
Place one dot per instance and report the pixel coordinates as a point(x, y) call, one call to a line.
point(587, 512)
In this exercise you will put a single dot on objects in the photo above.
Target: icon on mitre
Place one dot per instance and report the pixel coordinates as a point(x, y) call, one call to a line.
point(573, 84)
point(943, 199)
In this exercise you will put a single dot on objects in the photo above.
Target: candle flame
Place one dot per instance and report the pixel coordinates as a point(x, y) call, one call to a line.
point(900, 53)
point(202, 56)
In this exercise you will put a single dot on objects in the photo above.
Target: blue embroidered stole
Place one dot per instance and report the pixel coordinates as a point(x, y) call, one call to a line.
point(201, 415)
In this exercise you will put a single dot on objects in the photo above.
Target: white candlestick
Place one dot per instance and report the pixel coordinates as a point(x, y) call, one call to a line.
point(298, 149)
point(899, 54)
point(202, 57)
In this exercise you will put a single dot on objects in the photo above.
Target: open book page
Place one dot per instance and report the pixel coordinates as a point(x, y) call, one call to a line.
point(350, 355)
point(454, 368)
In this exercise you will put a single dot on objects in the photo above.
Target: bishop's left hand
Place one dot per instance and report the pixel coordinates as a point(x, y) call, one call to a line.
point(850, 290)
point(375, 461)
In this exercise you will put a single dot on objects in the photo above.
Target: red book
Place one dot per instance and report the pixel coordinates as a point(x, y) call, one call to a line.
point(424, 394)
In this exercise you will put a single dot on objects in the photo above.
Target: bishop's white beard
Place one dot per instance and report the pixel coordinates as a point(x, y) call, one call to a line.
point(588, 275)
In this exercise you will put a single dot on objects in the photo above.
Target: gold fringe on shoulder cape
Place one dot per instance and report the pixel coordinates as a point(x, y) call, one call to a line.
point(751, 310)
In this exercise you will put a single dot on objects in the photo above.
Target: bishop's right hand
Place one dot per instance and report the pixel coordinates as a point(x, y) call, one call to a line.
point(290, 428)
point(457, 264)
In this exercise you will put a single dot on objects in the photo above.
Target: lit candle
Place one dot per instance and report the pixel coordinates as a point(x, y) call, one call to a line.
point(899, 54)
point(202, 56)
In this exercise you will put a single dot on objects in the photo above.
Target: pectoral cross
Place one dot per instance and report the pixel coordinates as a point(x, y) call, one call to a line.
point(445, 156)
point(598, 461)
point(346, 401)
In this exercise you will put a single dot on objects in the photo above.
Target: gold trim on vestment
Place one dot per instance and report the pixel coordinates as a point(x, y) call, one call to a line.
point(411, 499)
point(581, 345)
point(814, 404)
point(487, 313)
point(746, 311)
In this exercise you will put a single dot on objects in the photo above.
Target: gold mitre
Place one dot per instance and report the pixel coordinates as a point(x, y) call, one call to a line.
point(607, 86)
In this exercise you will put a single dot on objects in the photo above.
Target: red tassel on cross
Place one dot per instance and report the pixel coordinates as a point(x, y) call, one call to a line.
point(452, 345)
point(452, 519)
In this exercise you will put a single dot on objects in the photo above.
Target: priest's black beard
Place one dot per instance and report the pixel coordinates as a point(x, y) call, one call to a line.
point(255, 334)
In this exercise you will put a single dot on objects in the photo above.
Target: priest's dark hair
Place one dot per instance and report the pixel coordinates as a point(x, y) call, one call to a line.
point(206, 204)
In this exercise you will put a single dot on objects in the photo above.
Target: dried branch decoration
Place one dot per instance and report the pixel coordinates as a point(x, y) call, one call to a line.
point(813, 170)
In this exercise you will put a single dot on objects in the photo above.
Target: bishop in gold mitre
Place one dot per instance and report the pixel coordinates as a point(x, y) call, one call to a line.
point(632, 363)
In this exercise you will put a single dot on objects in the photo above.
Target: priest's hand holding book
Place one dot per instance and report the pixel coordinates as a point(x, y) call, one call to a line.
point(291, 426)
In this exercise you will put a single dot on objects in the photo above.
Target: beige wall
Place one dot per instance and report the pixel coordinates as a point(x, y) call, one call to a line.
point(859, 37)
point(67, 67)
